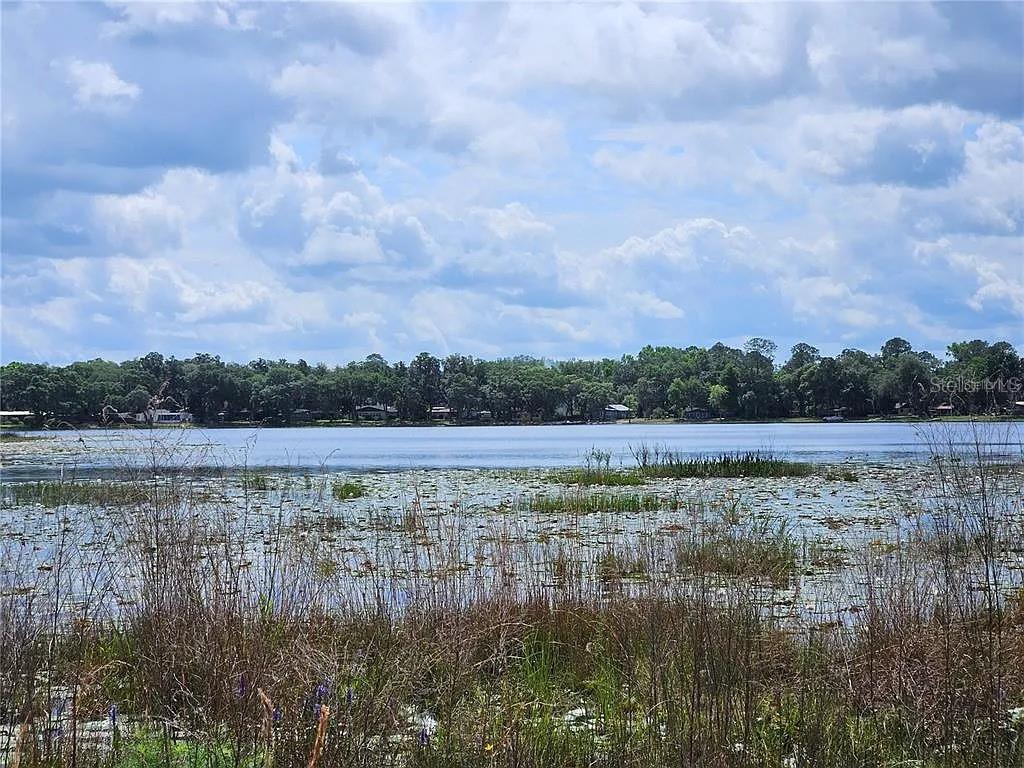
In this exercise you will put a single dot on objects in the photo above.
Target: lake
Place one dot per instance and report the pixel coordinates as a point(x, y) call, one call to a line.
point(380, 448)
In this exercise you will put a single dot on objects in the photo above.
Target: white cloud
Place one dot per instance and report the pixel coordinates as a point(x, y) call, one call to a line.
point(96, 84)
point(553, 179)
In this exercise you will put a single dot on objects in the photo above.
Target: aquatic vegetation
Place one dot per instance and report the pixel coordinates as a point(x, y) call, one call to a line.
point(845, 474)
point(344, 490)
point(56, 493)
point(659, 463)
point(257, 482)
point(655, 462)
point(755, 546)
point(586, 503)
point(279, 631)
point(597, 476)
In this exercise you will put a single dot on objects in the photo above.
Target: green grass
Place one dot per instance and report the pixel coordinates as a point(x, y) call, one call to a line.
point(841, 473)
point(660, 463)
point(597, 476)
point(54, 493)
point(586, 503)
point(758, 546)
point(255, 481)
point(345, 490)
point(653, 464)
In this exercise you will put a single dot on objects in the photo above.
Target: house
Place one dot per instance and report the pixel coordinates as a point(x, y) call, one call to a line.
point(375, 412)
point(694, 413)
point(616, 411)
point(163, 416)
point(483, 415)
point(1019, 406)
point(836, 415)
point(15, 415)
point(945, 409)
point(440, 412)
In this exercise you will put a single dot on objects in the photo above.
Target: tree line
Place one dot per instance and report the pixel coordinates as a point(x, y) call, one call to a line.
point(658, 382)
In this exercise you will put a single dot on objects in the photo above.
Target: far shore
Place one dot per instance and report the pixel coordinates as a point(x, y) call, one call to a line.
point(19, 428)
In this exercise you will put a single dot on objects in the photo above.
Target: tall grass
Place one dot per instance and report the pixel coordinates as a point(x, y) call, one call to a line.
point(662, 463)
point(221, 641)
point(658, 462)
point(587, 503)
point(51, 493)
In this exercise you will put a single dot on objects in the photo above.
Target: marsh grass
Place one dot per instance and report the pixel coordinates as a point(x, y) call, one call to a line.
point(633, 649)
point(656, 463)
point(597, 476)
point(52, 493)
point(756, 546)
point(588, 503)
point(345, 490)
point(844, 474)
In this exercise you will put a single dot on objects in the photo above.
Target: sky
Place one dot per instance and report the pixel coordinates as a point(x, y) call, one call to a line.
point(326, 181)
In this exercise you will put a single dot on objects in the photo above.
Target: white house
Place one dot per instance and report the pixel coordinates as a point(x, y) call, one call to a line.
point(616, 411)
point(163, 416)
point(375, 411)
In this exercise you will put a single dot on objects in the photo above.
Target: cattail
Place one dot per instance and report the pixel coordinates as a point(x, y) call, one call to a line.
point(268, 712)
point(22, 734)
point(321, 732)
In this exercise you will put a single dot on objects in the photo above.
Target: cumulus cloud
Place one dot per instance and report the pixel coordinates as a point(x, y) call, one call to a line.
point(96, 84)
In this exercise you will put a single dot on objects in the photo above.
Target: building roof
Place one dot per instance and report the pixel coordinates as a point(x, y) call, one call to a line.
point(617, 407)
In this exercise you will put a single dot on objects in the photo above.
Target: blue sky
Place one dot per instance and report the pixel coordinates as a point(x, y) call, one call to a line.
point(329, 180)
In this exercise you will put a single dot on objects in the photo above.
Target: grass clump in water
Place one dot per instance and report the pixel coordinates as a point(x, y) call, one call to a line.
point(597, 470)
point(663, 463)
point(346, 490)
point(760, 546)
point(56, 493)
point(586, 503)
point(841, 473)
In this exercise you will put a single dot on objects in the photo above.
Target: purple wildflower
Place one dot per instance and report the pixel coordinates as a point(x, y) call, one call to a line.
point(424, 738)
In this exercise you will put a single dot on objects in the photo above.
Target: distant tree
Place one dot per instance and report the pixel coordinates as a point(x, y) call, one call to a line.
point(800, 355)
point(688, 393)
point(895, 348)
point(136, 400)
point(764, 347)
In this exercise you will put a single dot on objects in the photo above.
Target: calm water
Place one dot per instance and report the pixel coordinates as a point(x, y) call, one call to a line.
point(502, 446)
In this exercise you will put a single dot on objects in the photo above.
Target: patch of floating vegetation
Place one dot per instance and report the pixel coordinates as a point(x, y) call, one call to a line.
point(585, 503)
point(346, 490)
point(661, 464)
point(755, 546)
point(56, 493)
point(255, 481)
point(16, 437)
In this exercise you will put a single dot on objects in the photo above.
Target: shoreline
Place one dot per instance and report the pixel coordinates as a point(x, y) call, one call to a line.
point(345, 424)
